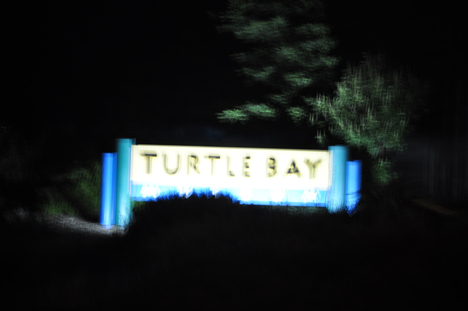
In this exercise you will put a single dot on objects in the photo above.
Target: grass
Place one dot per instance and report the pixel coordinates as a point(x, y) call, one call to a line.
point(212, 254)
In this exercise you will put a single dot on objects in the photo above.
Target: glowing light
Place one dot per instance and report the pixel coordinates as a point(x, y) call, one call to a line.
point(150, 191)
point(185, 191)
point(311, 195)
point(215, 191)
point(277, 195)
point(248, 175)
point(245, 194)
point(229, 168)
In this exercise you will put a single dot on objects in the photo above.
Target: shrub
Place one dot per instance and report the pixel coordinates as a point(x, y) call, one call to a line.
point(76, 192)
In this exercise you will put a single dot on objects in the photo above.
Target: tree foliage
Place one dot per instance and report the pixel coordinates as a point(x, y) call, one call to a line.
point(372, 109)
point(287, 53)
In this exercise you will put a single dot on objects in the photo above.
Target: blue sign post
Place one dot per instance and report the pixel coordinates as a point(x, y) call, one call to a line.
point(108, 183)
point(353, 185)
point(123, 209)
point(337, 193)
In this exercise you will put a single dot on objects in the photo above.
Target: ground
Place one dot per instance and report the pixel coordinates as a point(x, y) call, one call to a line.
point(232, 257)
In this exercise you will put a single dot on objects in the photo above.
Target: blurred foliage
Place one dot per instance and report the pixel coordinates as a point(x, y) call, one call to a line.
point(287, 54)
point(37, 176)
point(372, 109)
point(76, 192)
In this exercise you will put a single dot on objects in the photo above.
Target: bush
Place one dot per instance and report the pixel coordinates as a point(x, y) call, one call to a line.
point(75, 193)
point(373, 108)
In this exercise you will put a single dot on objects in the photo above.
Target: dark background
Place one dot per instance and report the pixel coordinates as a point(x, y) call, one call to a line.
point(88, 72)
point(79, 74)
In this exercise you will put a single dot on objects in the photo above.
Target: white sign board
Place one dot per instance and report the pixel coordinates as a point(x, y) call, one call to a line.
point(230, 167)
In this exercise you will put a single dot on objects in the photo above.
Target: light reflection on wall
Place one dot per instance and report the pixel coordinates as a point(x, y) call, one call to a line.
point(308, 197)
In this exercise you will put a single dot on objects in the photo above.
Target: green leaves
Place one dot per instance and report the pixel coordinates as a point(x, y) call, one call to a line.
point(233, 115)
point(263, 31)
point(288, 52)
point(77, 192)
point(243, 113)
point(297, 80)
point(371, 109)
point(297, 114)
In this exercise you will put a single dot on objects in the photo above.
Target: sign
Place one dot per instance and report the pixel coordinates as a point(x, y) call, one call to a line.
point(229, 168)
point(248, 175)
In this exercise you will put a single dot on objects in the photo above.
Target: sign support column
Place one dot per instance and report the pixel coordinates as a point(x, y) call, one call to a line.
point(123, 206)
point(337, 195)
point(108, 183)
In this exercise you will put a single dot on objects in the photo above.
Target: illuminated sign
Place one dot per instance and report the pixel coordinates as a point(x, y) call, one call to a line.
point(228, 168)
point(248, 175)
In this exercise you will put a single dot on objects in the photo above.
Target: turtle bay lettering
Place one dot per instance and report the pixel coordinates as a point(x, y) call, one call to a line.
point(209, 165)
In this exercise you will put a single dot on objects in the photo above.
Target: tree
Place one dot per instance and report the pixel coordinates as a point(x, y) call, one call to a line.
point(288, 54)
point(372, 109)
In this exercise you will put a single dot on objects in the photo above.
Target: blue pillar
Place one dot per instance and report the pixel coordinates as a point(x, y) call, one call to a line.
point(108, 179)
point(353, 185)
point(337, 195)
point(123, 208)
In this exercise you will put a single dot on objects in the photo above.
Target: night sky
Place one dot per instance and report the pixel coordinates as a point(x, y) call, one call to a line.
point(97, 66)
